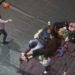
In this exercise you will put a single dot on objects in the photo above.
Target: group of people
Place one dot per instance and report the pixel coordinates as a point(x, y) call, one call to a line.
point(36, 46)
point(41, 38)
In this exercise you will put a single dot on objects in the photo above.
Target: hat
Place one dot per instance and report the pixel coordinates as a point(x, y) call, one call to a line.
point(49, 23)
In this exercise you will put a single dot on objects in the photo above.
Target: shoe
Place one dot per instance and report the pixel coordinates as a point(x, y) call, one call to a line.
point(45, 72)
point(5, 43)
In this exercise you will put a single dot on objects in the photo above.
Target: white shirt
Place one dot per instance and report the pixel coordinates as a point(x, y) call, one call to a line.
point(2, 23)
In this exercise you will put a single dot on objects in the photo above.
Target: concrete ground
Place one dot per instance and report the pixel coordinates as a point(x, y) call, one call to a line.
point(28, 16)
point(20, 31)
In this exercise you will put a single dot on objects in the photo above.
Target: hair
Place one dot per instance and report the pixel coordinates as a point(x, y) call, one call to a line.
point(61, 24)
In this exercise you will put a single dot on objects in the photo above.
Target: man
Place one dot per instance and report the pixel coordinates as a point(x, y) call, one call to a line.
point(2, 29)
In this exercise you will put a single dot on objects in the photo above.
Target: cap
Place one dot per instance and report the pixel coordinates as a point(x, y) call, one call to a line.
point(49, 23)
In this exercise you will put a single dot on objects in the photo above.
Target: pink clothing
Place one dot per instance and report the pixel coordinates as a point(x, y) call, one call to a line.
point(72, 27)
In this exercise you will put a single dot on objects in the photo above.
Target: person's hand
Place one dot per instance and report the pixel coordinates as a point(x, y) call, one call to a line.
point(10, 20)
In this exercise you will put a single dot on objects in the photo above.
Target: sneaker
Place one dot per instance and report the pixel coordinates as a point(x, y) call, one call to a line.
point(45, 72)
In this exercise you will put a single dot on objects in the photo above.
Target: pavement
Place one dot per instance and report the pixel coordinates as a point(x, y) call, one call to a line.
point(28, 16)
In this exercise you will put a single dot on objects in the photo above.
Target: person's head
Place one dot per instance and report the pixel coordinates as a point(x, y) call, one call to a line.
point(72, 27)
point(48, 27)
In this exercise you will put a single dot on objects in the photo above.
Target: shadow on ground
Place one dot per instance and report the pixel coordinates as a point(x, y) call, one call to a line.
point(6, 59)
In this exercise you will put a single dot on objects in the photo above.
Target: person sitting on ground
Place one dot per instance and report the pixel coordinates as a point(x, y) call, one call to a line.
point(40, 41)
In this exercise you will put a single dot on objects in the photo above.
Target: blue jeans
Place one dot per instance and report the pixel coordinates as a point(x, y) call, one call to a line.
point(35, 44)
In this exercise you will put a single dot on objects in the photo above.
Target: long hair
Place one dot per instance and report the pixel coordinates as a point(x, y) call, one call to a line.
point(53, 44)
point(61, 24)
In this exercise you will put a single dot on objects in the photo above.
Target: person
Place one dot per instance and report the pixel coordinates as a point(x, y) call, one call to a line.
point(2, 29)
point(36, 46)
point(39, 42)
